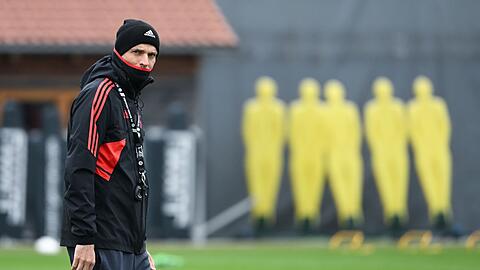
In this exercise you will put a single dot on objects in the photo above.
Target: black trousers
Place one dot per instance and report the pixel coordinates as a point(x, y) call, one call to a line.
point(106, 259)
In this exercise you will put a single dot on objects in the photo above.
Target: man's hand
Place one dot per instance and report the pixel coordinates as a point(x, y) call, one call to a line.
point(84, 257)
point(150, 260)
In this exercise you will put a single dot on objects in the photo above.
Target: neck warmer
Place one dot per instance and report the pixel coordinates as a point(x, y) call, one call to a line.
point(136, 77)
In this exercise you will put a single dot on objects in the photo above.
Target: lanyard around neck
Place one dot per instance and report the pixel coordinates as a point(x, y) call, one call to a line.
point(142, 187)
point(135, 127)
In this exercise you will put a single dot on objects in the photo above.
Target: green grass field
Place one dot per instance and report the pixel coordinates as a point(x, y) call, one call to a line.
point(276, 255)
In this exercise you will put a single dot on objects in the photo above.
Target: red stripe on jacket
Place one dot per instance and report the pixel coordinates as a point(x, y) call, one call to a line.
point(97, 107)
point(108, 156)
point(99, 95)
point(90, 130)
point(98, 112)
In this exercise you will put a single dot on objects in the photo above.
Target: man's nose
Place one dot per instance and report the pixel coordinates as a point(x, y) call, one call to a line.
point(144, 60)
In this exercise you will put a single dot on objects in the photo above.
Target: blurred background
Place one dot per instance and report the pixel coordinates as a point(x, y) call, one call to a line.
point(212, 53)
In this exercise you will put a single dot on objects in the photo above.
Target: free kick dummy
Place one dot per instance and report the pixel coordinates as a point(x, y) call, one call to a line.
point(263, 131)
point(386, 132)
point(307, 149)
point(430, 133)
point(344, 158)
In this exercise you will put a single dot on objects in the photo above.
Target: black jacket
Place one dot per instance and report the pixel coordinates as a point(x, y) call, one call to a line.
point(100, 170)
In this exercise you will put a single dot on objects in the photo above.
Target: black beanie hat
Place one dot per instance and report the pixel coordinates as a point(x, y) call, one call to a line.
point(134, 32)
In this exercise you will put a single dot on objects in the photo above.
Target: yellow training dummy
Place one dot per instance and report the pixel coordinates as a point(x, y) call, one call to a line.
point(344, 158)
point(307, 149)
point(263, 131)
point(386, 131)
point(430, 134)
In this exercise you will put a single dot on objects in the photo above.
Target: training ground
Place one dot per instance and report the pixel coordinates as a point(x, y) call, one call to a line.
point(285, 254)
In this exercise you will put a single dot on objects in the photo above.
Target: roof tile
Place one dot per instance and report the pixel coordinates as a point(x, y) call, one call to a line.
point(180, 23)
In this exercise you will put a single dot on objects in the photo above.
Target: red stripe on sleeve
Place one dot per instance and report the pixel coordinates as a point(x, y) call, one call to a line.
point(97, 115)
point(95, 143)
point(90, 130)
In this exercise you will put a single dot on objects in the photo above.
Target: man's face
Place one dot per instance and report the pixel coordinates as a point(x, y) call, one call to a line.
point(142, 56)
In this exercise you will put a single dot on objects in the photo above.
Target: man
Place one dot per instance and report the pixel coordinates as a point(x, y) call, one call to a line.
point(106, 190)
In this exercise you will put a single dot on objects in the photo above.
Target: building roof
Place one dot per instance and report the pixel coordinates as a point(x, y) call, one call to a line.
point(93, 24)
